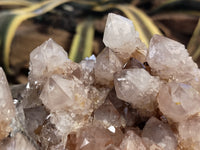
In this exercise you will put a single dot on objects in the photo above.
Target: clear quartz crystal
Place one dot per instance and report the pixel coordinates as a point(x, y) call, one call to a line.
point(87, 67)
point(73, 106)
point(178, 101)
point(132, 141)
point(107, 63)
point(189, 132)
point(156, 132)
point(46, 58)
point(120, 34)
point(166, 55)
point(19, 142)
point(7, 108)
point(61, 94)
point(96, 137)
point(137, 87)
point(108, 115)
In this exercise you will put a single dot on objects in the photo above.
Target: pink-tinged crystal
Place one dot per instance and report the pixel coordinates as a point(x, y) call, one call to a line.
point(98, 138)
point(87, 70)
point(170, 60)
point(60, 94)
point(189, 132)
point(108, 115)
point(107, 63)
point(7, 108)
point(156, 132)
point(178, 101)
point(19, 142)
point(46, 58)
point(137, 87)
point(132, 141)
point(120, 34)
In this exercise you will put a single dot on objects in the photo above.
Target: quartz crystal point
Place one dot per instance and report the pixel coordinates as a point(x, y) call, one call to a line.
point(137, 87)
point(189, 132)
point(156, 132)
point(120, 35)
point(35, 117)
point(87, 69)
point(96, 137)
point(46, 58)
point(107, 64)
point(178, 101)
point(132, 141)
point(61, 94)
point(48, 136)
point(108, 115)
point(19, 142)
point(7, 108)
point(170, 60)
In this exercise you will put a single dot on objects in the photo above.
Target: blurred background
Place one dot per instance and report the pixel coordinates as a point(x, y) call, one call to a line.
point(78, 26)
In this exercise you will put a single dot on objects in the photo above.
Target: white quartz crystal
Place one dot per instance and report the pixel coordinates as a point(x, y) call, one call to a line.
point(19, 142)
point(46, 58)
point(156, 132)
point(112, 102)
point(120, 34)
point(137, 87)
point(132, 141)
point(61, 94)
point(7, 108)
point(178, 101)
point(87, 68)
point(189, 132)
point(170, 60)
point(107, 63)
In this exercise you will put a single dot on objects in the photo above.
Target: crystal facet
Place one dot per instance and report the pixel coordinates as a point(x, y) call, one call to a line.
point(137, 87)
point(181, 99)
point(166, 55)
point(120, 34)
point(7, 108)
point(156, 132)
point(46, 58)
point(107, 64)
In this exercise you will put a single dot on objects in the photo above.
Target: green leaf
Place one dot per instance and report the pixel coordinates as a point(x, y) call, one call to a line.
point(82, 42)
point(194, 43)
point(10, 20)
point(15, 3)
point(191, 7)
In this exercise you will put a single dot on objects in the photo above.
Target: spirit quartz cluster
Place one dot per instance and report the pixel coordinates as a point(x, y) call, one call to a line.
point(128, 98)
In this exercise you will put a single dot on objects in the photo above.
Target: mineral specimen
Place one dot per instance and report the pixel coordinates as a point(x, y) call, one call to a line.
point(65, 94)
point(181, 99)
point(137, 87)
point(120, 35)
point(7, 108)
point(43, 58)
point(189, 133)
point(107, 64)
point(116, 101)
point(156, 132)
point(132, 141)
point(165, 56)
point(19, 142)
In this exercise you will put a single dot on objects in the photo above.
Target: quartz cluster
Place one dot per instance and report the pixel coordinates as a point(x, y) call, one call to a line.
point(129, 97)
